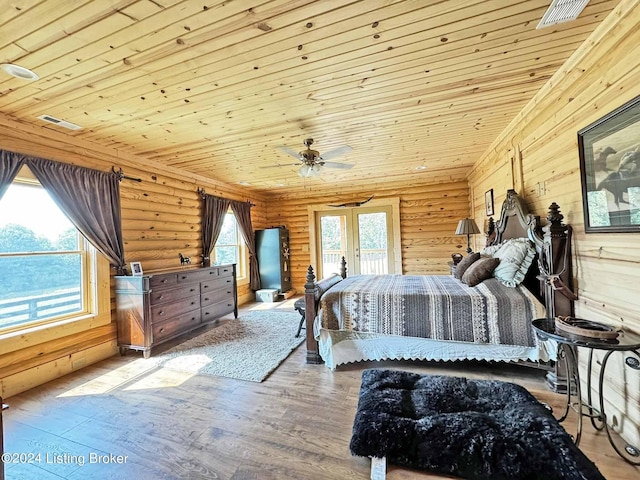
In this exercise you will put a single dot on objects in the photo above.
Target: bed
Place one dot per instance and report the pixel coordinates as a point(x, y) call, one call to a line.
point(438, 317)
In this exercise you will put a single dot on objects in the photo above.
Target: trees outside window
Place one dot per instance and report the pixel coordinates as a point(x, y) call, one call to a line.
point(230, 247)
point(44, 261)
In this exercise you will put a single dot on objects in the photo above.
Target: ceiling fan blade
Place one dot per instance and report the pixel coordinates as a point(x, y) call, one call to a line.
point(336, 153)
point(291, 152)
point(281, 165)
point(343, 166)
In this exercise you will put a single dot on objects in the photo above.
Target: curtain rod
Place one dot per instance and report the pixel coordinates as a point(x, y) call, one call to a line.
point(202, 193)
point(121, 175)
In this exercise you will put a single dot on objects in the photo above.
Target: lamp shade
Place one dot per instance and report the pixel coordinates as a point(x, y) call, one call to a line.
point(467, 226)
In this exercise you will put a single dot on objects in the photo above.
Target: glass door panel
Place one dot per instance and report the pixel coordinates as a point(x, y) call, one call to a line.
point(372, 253)
point(333, 243)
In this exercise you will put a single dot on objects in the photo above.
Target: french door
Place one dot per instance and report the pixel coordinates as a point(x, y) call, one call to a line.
point(363, 235)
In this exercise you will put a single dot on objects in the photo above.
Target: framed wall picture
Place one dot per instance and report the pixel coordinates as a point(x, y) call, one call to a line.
point(488, 202)
point(136, 269)
point(609, 152)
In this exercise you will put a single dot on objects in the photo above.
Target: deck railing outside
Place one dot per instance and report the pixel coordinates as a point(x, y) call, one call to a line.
point(39, 307)
point(372, 261)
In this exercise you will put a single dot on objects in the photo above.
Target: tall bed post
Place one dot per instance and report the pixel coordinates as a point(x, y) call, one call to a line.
point(313, 356)
point(557, 265)
point(311, 298)
point(557, 275)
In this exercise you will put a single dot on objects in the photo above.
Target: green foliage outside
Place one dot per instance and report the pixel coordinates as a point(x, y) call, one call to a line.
point(29, 275)
point(226, 249)
point(372, 227)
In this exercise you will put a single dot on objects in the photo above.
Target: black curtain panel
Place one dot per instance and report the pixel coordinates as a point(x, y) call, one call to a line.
point(10, 165)
point(91, 200)
point(213, 212)
point(242, 211)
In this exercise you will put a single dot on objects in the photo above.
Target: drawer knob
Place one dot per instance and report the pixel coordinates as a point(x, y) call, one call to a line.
point(160, 297)
point(193, 303)
point(164, 280)
point(162, 330)
point(161, 312)
point(192, 290)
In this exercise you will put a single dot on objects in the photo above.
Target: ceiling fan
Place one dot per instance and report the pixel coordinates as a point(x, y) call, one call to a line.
point(312, 161)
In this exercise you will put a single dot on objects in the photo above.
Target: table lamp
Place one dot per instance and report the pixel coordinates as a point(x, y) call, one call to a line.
point(468, 227)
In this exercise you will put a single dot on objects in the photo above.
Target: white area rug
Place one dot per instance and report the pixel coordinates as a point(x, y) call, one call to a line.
point(248, 348)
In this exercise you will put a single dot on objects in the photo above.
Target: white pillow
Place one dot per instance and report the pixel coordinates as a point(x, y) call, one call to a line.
point(490, 250)
point(516, 255)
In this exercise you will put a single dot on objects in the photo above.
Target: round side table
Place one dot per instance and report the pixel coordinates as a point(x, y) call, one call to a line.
point(567, 350)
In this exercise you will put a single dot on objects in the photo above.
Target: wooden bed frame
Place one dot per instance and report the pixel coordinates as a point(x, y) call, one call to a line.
point(553, 247)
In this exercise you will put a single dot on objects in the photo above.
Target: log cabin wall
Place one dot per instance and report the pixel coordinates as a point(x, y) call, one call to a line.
point(429, 214)
point(160, 217)
point(537, 155)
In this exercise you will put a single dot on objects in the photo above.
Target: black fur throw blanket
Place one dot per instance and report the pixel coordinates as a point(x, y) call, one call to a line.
point(475, 429)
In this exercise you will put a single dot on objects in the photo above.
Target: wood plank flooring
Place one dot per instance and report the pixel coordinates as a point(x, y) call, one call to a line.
point(162, 424)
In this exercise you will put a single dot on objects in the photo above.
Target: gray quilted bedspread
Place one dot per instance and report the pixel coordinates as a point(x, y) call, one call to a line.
point(437, 307)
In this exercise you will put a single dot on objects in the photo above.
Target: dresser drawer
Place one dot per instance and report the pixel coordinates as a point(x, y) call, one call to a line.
point(215, 310)
point(222, 283)
point(175, 326)
point(215, 296)
point(200, 275)
point(167, 311)
point(165, 280)
point(226, 270)
point(157, 297)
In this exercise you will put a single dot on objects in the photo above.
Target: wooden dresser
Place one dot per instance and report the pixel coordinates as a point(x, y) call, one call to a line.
point(152, 309)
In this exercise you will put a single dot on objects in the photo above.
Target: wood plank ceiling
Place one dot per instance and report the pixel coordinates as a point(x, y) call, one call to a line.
point(214, 87)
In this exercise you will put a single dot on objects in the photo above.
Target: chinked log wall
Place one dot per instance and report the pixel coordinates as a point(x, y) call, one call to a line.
point(538, 156)
point(429, 214)
point(160, 217)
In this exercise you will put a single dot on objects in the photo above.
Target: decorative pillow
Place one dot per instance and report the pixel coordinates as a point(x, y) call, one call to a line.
point(464, 264)
point(490, 250)
point(480, 270)
point(516, 255)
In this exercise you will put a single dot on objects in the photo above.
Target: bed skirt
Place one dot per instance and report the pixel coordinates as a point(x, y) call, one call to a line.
point(337, 347)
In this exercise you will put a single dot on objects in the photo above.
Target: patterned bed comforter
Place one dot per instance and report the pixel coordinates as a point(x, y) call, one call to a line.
point(433, 306)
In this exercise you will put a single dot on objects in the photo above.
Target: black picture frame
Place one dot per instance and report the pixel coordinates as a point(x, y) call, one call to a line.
point(609, 151)
point(488, 202)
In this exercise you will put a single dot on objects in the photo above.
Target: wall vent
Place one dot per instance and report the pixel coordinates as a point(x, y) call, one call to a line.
point(61, 123)
point(562, 11)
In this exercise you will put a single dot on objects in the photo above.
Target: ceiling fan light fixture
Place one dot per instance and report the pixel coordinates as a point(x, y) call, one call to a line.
point(309, 170)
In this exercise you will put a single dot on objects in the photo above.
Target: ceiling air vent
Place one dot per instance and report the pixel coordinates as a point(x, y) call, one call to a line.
point(562, 11)
point(61, 123)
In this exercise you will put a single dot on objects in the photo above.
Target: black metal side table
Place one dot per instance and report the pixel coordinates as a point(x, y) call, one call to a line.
point(567, 350)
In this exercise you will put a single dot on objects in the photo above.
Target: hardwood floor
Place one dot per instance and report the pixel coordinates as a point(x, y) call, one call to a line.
point(161, 424)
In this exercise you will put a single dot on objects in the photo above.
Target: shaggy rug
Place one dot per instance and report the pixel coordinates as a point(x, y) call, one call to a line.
point(248, 348)
point(475, 429)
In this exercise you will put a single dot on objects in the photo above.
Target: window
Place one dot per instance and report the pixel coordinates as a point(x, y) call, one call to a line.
point(230, 247)
point(47, 268)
